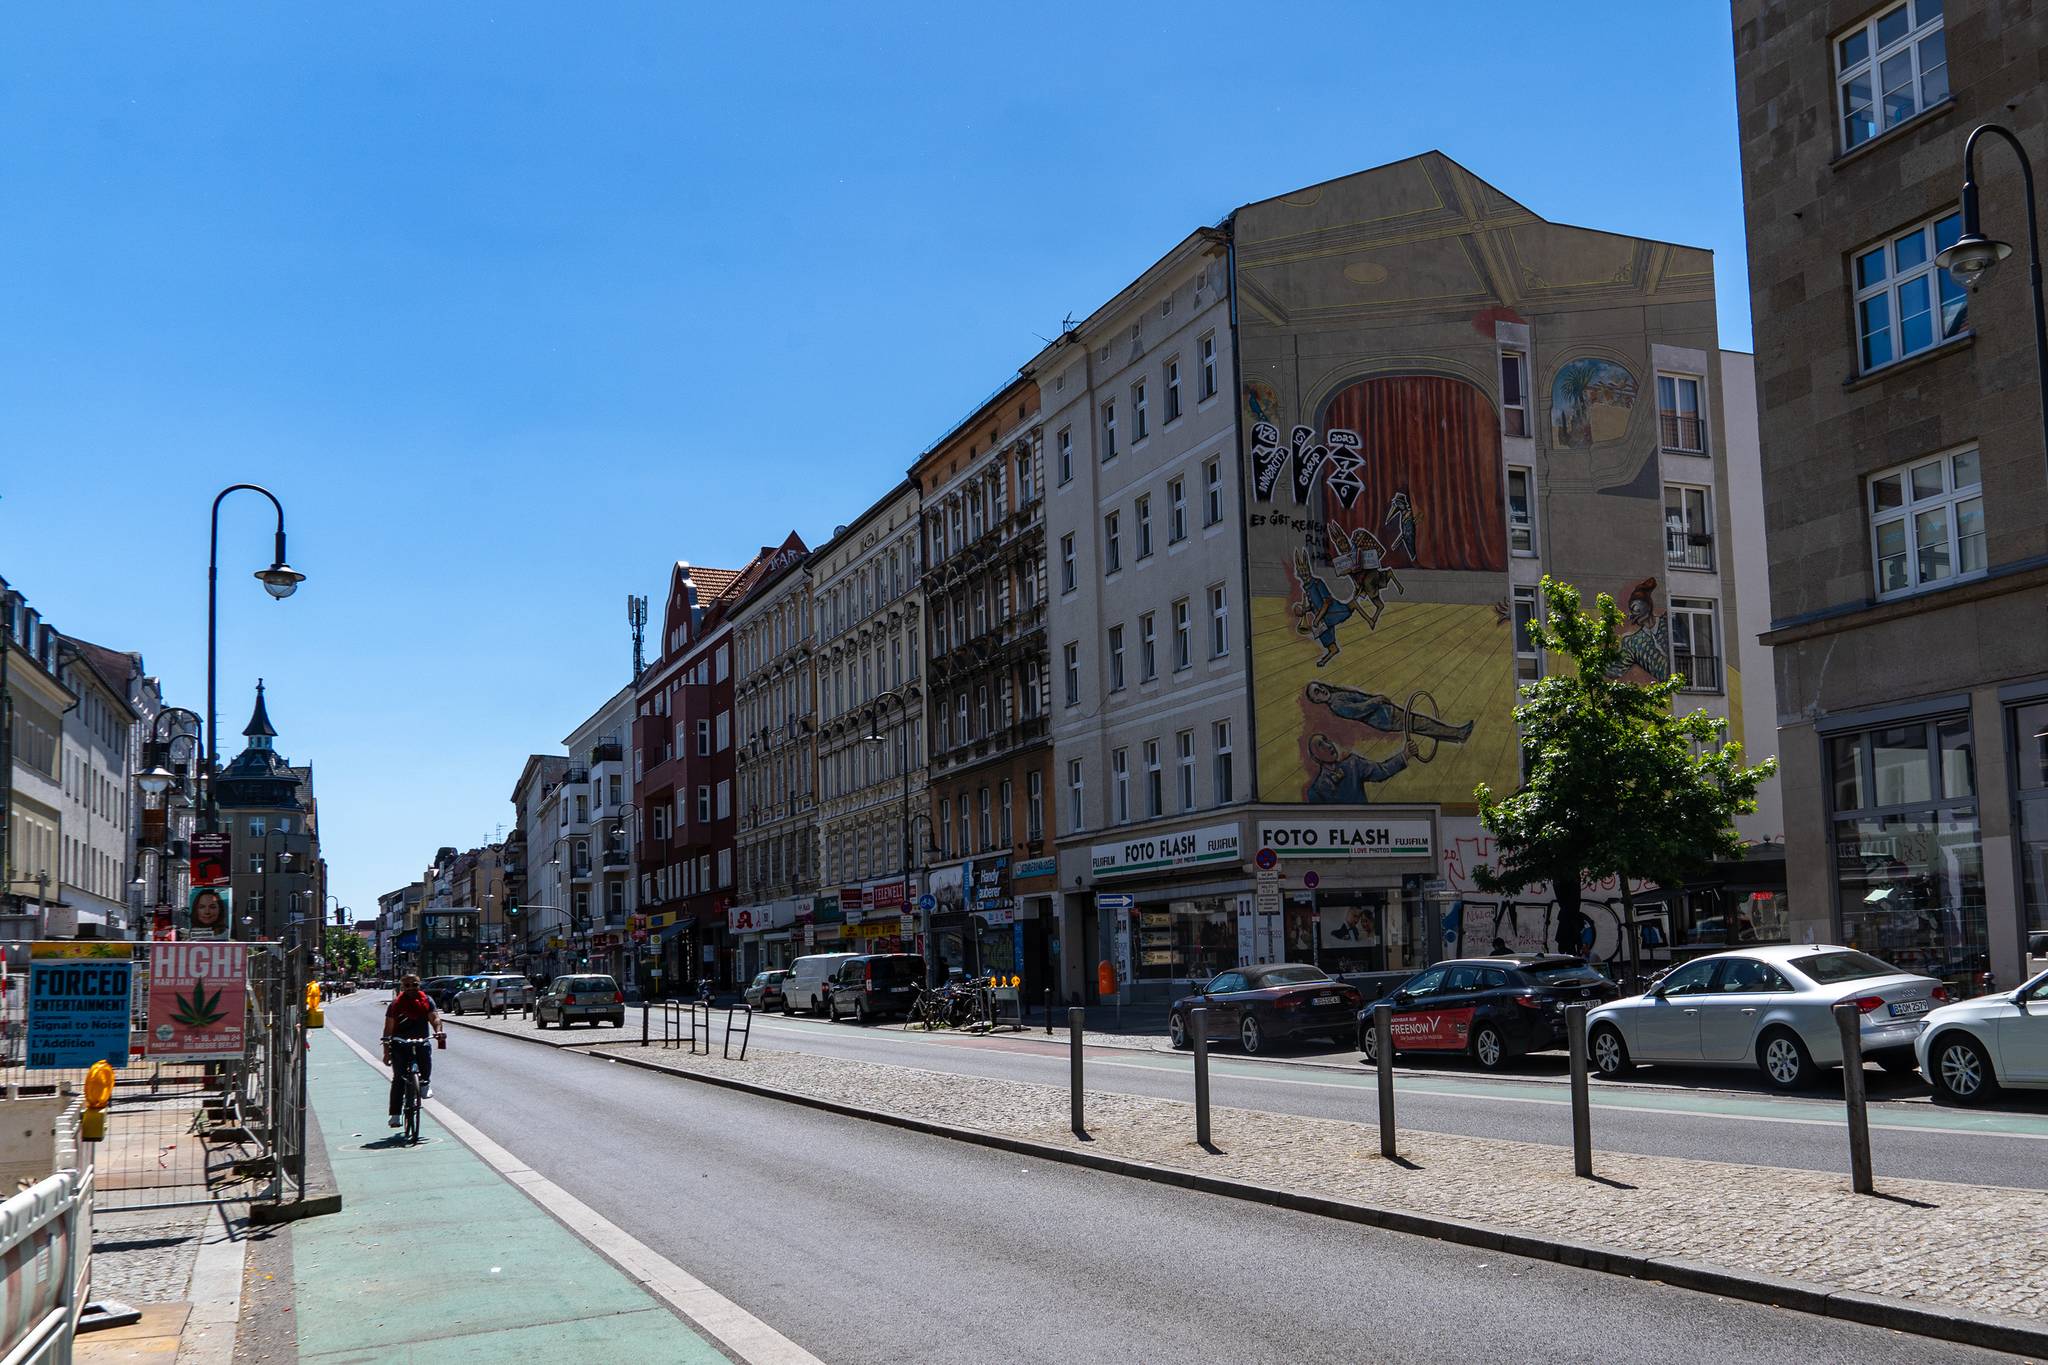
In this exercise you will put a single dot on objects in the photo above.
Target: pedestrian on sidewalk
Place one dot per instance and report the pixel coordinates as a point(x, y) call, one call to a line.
point(409, 1018)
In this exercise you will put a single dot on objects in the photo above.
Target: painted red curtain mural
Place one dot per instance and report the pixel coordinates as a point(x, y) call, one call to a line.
point(1431, 472)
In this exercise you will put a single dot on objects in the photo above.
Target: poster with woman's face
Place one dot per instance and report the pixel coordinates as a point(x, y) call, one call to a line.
point(208, 911)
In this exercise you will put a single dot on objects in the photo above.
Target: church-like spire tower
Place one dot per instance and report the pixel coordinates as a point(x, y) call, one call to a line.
point(259, 729)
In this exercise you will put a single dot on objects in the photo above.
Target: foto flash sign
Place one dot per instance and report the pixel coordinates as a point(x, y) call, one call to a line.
point(79, 998)
point(1347, 838)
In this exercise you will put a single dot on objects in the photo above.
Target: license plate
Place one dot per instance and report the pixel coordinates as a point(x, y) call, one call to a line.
point(1909, 1007)
point(1326, 1000)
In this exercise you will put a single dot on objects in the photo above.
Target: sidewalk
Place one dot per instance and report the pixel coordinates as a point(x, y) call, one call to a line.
point(435, 1257)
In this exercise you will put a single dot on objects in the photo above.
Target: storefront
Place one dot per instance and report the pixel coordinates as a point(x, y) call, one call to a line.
point(2027, 731)
point(1353, 901)
point(760, 935)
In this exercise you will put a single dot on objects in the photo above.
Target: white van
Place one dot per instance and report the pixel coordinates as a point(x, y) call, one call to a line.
point(805, 989)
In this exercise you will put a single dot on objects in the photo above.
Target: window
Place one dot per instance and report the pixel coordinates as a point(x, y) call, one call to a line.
point(946, 825)
point(1905, 303)
point(1112, 547)
point(1219, 622)
point(1155, 781)
point(961, 828)
point(1182, 645)
point(1679, 426)
point(1120, 784)
point(1144, 527)
point(1148, 651)
point(1176, 511)
point(1528, 657)
point(1688, 527)
point(1140, 413)
point(1927, 523)
point(1521, 510)
point(1067, 562)
point(1695, 655)
point(1221, 774)
point(724, 731)
point(1116, 658)
point(1070, 661)
point(1065, 445)
point(1009, 829)
point(704, 805)
point(1184, 745)
point(1108, 432)
point(1173, 390)
point(1207, 347)
point(1034, 805)
point(988, 833)
point(1023, 479)
point(704, 736)
point(960, 717)
point(1212, 492)
point(1896, 61)
point(981, 709)
point(1075, 792)
point(1514, 394)
point(256, 824)
point(725, 800)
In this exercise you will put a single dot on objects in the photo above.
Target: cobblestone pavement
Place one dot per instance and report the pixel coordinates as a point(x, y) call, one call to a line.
point(1949, 1244)
point(146, 1256)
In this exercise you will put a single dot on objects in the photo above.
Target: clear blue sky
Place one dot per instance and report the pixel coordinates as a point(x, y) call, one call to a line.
point(516, 304)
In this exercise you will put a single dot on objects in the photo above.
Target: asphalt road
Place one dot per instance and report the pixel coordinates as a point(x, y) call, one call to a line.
point(1664, 1113)
point(870, 1244)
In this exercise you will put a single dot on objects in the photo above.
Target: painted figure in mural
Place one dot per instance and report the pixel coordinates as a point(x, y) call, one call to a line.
point(1645, 636)
point(1342, 776)
point(1399, 524)
point(1361, 560)
point(1320, 610)
point(1382, 713)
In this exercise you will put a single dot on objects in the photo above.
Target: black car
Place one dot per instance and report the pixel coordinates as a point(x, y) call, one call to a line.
point(441, 990)
point(1267, 1004)
point(1492, 1008)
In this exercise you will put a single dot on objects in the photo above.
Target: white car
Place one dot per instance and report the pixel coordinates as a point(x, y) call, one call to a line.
point(1770, 1007)
point(492, 995)
point(1971, 1048)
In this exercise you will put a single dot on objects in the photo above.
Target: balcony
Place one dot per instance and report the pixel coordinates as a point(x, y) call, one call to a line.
point(609, 751)
point(1682, 432)
point(617, 859)
point(1701, 672)
point(1688, 549)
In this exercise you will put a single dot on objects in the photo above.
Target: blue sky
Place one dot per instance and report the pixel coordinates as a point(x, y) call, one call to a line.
point(516, 304)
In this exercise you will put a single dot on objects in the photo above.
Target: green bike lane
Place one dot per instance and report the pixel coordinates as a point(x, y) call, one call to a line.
point(437, 1259)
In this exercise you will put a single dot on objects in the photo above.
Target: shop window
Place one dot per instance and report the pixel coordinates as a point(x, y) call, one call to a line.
point(2030, 787)
point(1185, 940)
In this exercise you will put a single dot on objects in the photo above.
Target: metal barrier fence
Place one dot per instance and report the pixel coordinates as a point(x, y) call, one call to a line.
point(46, 1254)
point(182, 1133)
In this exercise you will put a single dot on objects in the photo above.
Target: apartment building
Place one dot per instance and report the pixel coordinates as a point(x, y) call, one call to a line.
point(33, 701)
point(603, 892)
point(1905, 476)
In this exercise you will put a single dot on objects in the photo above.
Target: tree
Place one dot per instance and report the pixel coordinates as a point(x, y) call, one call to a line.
point(1616, 783)
point(348, 954)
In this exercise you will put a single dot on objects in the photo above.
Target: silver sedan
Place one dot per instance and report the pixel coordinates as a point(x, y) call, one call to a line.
point(1768, 1007)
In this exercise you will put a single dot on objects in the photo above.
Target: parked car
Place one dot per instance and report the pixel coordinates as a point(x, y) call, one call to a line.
point(441, 990)
point(1768, 1007)
point(488, 994)
point(580, 999)
point(1276, 1002)
point(764, 992)
point(875, 986)
point(1972, 1049)
point(1494, 1008)
point(809, 978)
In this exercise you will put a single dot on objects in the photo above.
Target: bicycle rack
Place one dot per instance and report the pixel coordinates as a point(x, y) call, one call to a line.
point(746, 1013)
point(674, 1032)
point(700, 1009)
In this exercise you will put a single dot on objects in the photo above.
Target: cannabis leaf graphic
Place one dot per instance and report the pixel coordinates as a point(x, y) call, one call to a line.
point(199, 1010)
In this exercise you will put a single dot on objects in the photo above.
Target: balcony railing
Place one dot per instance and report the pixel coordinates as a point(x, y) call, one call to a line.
point(1688, 549)
point(616, 858)
point(1678, 431)
point(1701, 672)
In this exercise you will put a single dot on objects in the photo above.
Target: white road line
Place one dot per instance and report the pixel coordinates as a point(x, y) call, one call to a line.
point(740, 1332)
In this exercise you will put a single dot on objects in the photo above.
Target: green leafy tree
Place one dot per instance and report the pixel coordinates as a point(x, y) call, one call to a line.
point(1616, 783)
point(348, 954)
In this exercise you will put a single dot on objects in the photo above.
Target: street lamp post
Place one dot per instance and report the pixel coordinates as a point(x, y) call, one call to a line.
point(1971, 256)
point(280, 580)
point(157, 780)
point(874, 736)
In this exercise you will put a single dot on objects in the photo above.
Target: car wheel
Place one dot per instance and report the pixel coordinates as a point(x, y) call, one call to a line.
point(1608, 1052)
point(817, 1010)
point(539, 1022)
point(1176, 1031)
point(457, 1011)
point(862, 1015)
point(1369, 1043)
point(1250, 1036)
point(1960, 1072)
point(1784, 1060)
point(1489, 1049)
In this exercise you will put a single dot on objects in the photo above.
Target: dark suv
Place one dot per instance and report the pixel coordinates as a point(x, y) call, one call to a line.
point(875, 985)
point(1492, 1008)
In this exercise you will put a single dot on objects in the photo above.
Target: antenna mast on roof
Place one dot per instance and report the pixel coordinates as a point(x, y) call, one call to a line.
point(636, 616)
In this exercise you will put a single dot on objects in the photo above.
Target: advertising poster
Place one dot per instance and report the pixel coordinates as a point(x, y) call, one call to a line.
point(209, 859)
point(78, 1005)
point(198, 1000)
point(210, 911)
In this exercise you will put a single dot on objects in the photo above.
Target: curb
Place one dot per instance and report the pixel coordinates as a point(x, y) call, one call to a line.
point(1986, 1330)
point(319, 1193)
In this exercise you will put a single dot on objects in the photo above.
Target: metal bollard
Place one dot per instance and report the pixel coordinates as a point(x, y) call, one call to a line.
point(1048, 1012)
point(1075, 1024)
point(1383, 1039)
point(643, 1020)
point(1198, 1019)
point(1582, 1100)
point(1849, 1020)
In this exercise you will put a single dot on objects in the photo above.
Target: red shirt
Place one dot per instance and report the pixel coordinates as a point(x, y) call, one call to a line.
point(408, 1015)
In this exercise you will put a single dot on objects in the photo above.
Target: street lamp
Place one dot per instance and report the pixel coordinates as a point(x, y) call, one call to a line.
point(280, 580)
point(1971, 256)
point(875, 736)
point(157, 780)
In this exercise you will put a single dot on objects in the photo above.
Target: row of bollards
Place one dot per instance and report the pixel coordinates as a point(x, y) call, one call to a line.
point(1847, 1017)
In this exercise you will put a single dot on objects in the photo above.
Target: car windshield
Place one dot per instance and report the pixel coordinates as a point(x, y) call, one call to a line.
point(1844, 964)
point(899, 970)
point(591, 983)
point(1565, 974)
point(1287, 976)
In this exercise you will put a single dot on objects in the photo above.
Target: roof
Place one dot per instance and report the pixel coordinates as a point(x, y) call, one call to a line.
point(112, 667)
point(259, 719)
point(710, 583)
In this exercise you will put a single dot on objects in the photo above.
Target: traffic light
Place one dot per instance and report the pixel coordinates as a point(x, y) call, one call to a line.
point(512, 909)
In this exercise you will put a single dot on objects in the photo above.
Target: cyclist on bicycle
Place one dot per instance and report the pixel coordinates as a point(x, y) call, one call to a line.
point(407, 1021)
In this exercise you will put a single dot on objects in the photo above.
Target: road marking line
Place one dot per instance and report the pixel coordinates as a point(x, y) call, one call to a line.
point(740, 1332)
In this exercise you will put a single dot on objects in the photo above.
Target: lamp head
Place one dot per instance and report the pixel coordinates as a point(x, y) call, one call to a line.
point(1970, 258)
point(280, 580)
point(155, 781)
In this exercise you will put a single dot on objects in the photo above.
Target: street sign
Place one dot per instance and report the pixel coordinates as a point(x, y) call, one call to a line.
point(1311, 880)
point(927, 902)
point(1265, 858)
point(1436, 885)
point(1114, 900)
point(1267, 898)
point(79, 1002)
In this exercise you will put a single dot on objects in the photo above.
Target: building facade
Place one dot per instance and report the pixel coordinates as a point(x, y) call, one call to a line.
point(533, 877)
point(33, 700)
point(99, 753)
point(867, 605)
point(1903, 461)
point(982, 493)
point(268, 812)
point(604, 873)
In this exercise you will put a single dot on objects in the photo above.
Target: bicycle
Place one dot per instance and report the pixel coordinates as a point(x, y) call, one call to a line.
point(408, 1049)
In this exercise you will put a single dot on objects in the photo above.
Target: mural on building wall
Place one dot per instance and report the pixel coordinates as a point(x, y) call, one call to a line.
point(1590, 402)
point(1645, 636)
point(1377, 678)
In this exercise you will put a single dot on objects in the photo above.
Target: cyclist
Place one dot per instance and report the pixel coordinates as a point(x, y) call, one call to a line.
point(407, 1021)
